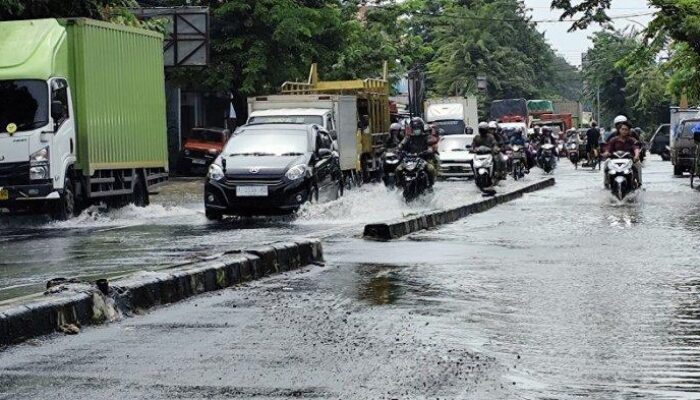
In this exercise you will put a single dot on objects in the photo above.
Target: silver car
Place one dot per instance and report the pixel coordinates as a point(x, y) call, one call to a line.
point(455, 158)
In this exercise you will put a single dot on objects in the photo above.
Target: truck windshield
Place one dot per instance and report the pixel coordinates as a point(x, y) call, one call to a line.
point(687, 129)
point(451, 127)
point(286, 119)
point(23, 103)
point(268, 143)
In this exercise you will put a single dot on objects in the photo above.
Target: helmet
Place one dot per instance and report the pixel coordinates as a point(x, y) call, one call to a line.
point(546, 129)
point(418, 127)
point(620, 119)
point(695, 129)
point(395, 127)
point(483, 127)
point(593, 124)
point(493, 125)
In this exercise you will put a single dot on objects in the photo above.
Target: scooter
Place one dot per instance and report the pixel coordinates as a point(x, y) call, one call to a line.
point(391, 162)
point(547, 159)
point(485, 175)
point(620, 173)
point(414, 181)
point(573, 153)
point(518, 162)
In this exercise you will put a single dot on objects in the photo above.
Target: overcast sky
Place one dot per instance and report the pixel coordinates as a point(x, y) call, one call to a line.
point(572, 45)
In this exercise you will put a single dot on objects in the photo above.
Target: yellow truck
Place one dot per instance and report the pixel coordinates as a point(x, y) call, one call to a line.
point(358, 111)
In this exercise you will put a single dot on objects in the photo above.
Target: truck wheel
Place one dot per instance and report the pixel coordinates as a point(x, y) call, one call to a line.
point(64, 209)
point(677, 170)
point(140, 195)
point(213, 215)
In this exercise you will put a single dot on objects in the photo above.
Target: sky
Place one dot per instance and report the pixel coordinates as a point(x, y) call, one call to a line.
point(572, 45)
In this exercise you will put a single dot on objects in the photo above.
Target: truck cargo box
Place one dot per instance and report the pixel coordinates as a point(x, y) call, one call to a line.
point(117, 79)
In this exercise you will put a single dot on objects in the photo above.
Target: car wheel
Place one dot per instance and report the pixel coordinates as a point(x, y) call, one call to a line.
point(213, 215)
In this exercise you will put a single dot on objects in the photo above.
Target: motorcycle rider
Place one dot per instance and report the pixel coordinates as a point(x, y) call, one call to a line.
point(419, 142)
point(487, 139)
point(593, 141)
point(624, 141)
point(396, 135)
point(518, 139)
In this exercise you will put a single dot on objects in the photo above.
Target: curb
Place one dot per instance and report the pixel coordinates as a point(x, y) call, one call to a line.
point(396, 229)
point(82, 304)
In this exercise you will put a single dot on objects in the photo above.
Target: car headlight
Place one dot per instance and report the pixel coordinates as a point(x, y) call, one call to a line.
point(296, 172)
point(215, 172)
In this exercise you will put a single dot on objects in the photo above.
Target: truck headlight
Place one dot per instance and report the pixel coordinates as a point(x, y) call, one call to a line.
point(215, 173)
point(39, 165)
point(296, 172)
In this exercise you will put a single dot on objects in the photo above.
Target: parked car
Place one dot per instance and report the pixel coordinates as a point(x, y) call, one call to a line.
point(683, 149)
point(455, 157)
point(660, 142)
point(272, 169)
point(201, 147)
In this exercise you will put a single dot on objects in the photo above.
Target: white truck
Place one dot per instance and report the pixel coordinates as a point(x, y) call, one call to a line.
point(681, 143)
point(336, 113)
point(452, 114)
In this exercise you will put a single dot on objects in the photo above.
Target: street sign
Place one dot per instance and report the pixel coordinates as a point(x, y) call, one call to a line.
point(187, 41)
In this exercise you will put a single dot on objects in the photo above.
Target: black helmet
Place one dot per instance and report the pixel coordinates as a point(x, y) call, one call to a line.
point(546, 129)
point(418, 126)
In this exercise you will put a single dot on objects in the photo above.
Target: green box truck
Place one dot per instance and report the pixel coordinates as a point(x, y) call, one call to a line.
point(82, 115)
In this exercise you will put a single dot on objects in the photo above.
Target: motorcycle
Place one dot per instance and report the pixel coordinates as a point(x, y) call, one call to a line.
point(390, 163)
point(573, 152)
point(518, 162)
point(485, 174)
point(414, 180)
point(621, 178)
point(547, 159)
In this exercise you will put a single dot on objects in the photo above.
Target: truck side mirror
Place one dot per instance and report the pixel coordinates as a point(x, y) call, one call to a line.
point(334, 134)
point(58, 111)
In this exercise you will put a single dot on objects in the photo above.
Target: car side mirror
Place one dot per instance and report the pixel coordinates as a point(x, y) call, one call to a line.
point(324, 153)
point(58, 110)
point(696, 137)
point(333, 134)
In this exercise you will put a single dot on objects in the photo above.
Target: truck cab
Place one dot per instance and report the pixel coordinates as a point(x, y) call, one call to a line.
point(314, 116)
point(37, 128)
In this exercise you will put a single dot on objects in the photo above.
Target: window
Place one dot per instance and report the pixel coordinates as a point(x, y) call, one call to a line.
point(59, 92)
point(23, 103)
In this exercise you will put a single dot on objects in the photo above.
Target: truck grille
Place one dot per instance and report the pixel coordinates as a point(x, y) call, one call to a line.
point(14, 174)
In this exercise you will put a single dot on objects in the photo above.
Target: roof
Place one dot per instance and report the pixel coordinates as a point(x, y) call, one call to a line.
point(289, 111)
point(30, 48)
point(276, 127)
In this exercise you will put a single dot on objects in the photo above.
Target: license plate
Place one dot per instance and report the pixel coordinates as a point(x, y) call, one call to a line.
point(4, 194)
point(198, 161)
point(251, 191)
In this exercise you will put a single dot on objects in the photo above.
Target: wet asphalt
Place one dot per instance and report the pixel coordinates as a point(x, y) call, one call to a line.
point(565, 293)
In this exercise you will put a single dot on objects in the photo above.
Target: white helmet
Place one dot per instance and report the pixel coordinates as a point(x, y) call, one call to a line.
point(493, 125)
point(619, 119)
point(483, 125)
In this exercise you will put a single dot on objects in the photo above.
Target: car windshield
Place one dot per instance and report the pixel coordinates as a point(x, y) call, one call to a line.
point(452, 127)
point(286, 119)
point(268, 143)
point(455, 143)
point(206, 136)
point(23, 103)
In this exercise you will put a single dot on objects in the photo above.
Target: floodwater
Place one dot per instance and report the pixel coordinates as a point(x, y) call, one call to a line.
point(563, 294)
point(107, 243)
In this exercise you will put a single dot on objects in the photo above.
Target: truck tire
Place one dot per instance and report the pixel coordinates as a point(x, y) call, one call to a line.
point(677, 170)
point(140, 195)
point(65, 207)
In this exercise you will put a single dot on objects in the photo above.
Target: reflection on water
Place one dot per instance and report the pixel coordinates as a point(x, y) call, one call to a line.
point(379, 284)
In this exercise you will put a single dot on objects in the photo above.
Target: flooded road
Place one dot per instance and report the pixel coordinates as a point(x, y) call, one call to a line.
point(562, 294)
point(108, 243)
